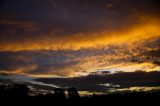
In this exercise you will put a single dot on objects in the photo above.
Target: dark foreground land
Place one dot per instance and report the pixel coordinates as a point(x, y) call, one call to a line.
point(18, 94)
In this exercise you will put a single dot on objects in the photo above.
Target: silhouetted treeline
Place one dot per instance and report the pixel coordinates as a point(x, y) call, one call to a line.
point(18, 94)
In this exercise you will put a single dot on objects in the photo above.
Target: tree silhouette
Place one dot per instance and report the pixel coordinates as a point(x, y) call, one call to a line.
point(73, 93)
point(14, 90)
point(17, 94)
point(59, 94)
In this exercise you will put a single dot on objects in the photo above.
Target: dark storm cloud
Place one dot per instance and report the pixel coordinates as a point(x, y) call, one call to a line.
point(61, 18)
point(10, 29)
point(37, 62)
point(93, 82)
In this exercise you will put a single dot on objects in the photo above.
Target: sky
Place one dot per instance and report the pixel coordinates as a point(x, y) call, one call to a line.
point(70, 38)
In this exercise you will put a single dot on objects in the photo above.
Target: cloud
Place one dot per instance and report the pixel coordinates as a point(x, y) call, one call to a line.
point(71, 63)
point(59, 25)
point(136, 34)
point(72, 38)
point(16, 26)
point(98, 82)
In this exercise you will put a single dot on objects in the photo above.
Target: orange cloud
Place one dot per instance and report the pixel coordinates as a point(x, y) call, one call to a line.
point(148, 29)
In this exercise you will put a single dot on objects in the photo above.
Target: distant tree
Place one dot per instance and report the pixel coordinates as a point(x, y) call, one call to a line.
point(20, 89)
point(73, 93)
point(59, 94)
point(2, 90)
point(14, 90)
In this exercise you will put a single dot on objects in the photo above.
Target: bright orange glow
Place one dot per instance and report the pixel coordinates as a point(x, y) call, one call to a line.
point(133, 37)
point(137, 34)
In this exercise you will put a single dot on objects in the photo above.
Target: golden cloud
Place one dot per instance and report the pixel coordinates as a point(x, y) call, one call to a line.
point(147, 29)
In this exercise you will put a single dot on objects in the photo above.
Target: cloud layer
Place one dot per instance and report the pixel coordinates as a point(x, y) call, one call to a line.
point(54, 25)
point(70, 38)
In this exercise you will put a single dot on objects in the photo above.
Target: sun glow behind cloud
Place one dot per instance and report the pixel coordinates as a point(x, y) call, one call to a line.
point(121, 47)
point(136, 34)
point(114, 36)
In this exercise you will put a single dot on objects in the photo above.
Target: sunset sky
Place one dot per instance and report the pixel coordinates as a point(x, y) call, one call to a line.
point(71, 38)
